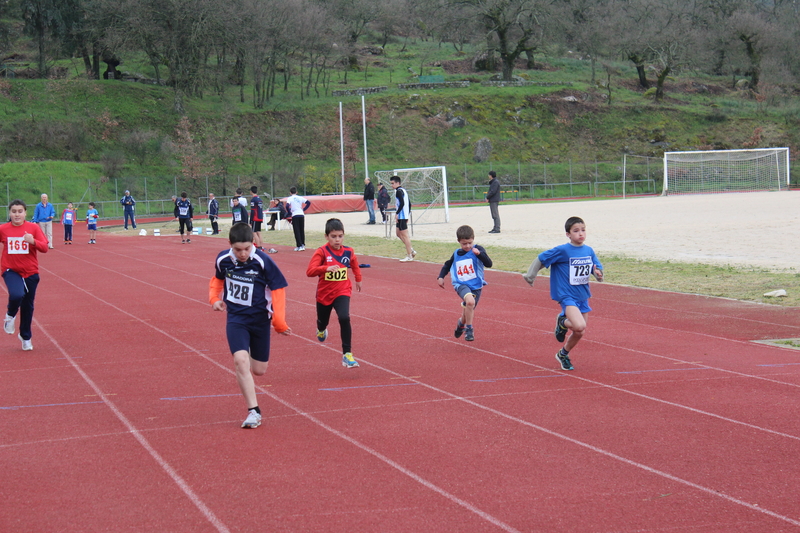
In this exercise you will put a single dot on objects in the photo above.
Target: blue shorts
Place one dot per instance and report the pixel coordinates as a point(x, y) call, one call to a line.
point(92, 227)
point(463, 290)
point(582, 305)
point(253, 338)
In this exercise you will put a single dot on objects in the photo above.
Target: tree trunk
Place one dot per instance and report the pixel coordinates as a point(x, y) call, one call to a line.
point(662, 78)
point(639, 62)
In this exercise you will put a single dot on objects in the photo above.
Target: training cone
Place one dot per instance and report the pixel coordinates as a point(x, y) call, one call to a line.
point(143, 232)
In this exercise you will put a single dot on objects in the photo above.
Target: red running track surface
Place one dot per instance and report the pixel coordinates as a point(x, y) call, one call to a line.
point(126, 415)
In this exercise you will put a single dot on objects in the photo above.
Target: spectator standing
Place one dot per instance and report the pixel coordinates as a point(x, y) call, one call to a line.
point(129, 204)
point(402, 215)
point(43, 214)
point(256, 216)
point(213, 213)
point(297, 206)
point(369, 199)
point(493, 197)
point(383, 201)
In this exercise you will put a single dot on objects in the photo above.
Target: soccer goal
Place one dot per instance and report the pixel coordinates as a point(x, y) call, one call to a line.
point(427, 187)
point(761, 169)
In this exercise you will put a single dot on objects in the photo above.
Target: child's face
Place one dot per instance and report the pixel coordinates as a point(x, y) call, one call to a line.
point(69, 206)
point(577, 234)
point(241, 250)
point(17, 215)
point(335, 239)
point(466, 244)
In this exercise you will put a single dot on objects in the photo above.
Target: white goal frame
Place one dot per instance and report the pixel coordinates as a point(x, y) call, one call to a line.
point(718, 171)
point(424, 190)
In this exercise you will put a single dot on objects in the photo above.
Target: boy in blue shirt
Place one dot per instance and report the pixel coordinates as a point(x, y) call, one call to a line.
point(465, 267)
point(91, 222)
point(570, 264)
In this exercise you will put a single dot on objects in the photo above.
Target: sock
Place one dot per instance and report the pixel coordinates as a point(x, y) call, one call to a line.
point(469, 326)
point(256, 409)
point(563, 351)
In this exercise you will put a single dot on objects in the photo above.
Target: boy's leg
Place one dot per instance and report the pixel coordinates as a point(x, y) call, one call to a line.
point(576, 321)
point(342, 306)
point(26, 307)
point(323, 319)
point(468, 310)
point(245, 369)
point(406, 240)
point(298, 230)
point(16, 291)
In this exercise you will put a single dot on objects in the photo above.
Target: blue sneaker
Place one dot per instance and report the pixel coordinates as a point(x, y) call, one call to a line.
point(561, 329)
point(348, 361)
point(459, 329)
point(470, 336)
point(563, 358)
point(322, 335)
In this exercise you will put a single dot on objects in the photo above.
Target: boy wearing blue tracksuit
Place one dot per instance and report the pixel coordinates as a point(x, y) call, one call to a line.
point(570, 264)
point(465, 267)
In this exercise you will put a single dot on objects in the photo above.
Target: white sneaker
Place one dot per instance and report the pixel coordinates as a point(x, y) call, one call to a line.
point(406, 259)
point(27, 346)
point(302, 249)
point(413, 253)
point(252, 421)
point(297, 249)
point(8, 325)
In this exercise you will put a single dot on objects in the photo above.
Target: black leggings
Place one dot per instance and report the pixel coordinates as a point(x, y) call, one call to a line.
point(342, 306)
point(299, 228)
point(185, 222)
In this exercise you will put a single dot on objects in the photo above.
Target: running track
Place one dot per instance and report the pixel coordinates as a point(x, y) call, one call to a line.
point(126, 415)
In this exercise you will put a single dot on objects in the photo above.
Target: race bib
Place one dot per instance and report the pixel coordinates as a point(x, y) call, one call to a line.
point(68, 218)
point(579, 270)
point(465, 270)
point(17, 245)
point(239, 289)
point(183, 211)
point(339, 275)
point(237, 216)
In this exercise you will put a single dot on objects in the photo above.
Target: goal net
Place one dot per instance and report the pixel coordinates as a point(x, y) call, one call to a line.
point(427, 188)
point(762, 169)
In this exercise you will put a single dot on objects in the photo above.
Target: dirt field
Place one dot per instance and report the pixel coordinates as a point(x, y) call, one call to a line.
point(759, 230)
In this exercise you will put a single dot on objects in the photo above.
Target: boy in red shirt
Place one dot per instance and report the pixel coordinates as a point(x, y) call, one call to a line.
point(332, 263)
point(21, 241)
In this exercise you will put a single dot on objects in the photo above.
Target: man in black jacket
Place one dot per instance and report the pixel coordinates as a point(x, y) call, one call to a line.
point(493, 197)
point(369, 199)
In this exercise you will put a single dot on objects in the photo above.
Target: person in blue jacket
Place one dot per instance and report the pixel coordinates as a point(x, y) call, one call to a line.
point(43, 214)
point(129, 204)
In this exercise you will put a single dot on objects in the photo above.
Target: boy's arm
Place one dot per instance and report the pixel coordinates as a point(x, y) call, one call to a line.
point(356, 271)
point(445, 270)
point(40, 240)
point(316, 266)
point(306, 205)
point(483, 256)
point(279, 311)
point(533, 270)
point(215, 287)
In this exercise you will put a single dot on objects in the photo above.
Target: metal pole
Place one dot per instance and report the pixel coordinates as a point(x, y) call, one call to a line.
point(341, 141)
point(364, 125)
point(624, 172)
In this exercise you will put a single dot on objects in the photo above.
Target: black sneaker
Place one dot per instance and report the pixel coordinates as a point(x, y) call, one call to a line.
point(566, 364)
point(459, 330)
point(561, 330)
point(470, 336)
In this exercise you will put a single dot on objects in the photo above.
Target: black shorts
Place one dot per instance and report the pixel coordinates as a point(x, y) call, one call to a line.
point(256, 225)
point(402, 224)
point(463, 290)
point(252, 337)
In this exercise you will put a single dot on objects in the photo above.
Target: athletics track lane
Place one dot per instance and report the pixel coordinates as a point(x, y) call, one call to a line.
point(429, 434)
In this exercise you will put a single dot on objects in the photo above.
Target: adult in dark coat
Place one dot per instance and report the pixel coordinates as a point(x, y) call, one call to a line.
point(493, 197)
point(369, 199)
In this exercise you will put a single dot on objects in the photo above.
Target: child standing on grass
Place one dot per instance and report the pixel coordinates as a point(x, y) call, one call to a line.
point(68, 217)
point(570, 266)
point(20, 241)
point(91, 222)
point(465, 267)
point(253, 293)
point(332, 263)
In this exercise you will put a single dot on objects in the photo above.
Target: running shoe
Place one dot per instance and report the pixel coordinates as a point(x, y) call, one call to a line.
point(322, 335)
point(561, 330)
point(8, 325)
point(470, 336)
point(26, 344)
point(253, 420)
point(459, 330)
point(348, 361)
point(566, 364)
point(413, 253)
point(406, 259)
point(188, 241)
point(302, 249)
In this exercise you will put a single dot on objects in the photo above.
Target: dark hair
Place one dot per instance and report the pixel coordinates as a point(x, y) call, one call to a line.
point(395, 179)
point(91, 204)
point(183, 194)
point(240, 232)
point(17, 202)
point(571, 221)
point(333, 224)
point(254, 189)
point(293, 190)
point(238, 190)
point(492, 173)
point(464, 232)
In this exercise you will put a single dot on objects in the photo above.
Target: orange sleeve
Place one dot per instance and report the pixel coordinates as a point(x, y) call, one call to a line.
point(215, 287)
point(279, 310)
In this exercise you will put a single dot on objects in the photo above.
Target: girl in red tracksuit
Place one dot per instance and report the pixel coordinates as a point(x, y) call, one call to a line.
point(21, 241)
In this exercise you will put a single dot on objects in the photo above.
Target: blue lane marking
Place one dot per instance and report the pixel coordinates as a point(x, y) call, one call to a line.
point(492, 380)
point(782, 364)
point(181, 398)
point(15, 407)
point(370, 386)
point(665, 370)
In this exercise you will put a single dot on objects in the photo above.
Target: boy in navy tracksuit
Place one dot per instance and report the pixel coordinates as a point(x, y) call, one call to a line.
point(465, 267)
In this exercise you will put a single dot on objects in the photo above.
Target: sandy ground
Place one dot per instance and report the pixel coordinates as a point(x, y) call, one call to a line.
point(743, 229)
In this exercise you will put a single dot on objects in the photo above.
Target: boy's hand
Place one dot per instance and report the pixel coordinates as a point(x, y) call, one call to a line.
point(475, 250)
point(219, 305)
point(358, 286)
point(287, 332)
point(332, 268)
point(28, 238)
point(440, 281)
point(598, 274)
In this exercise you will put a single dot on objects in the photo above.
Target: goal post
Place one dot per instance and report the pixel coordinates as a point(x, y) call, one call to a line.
point(716, 171)
point(427, 189)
